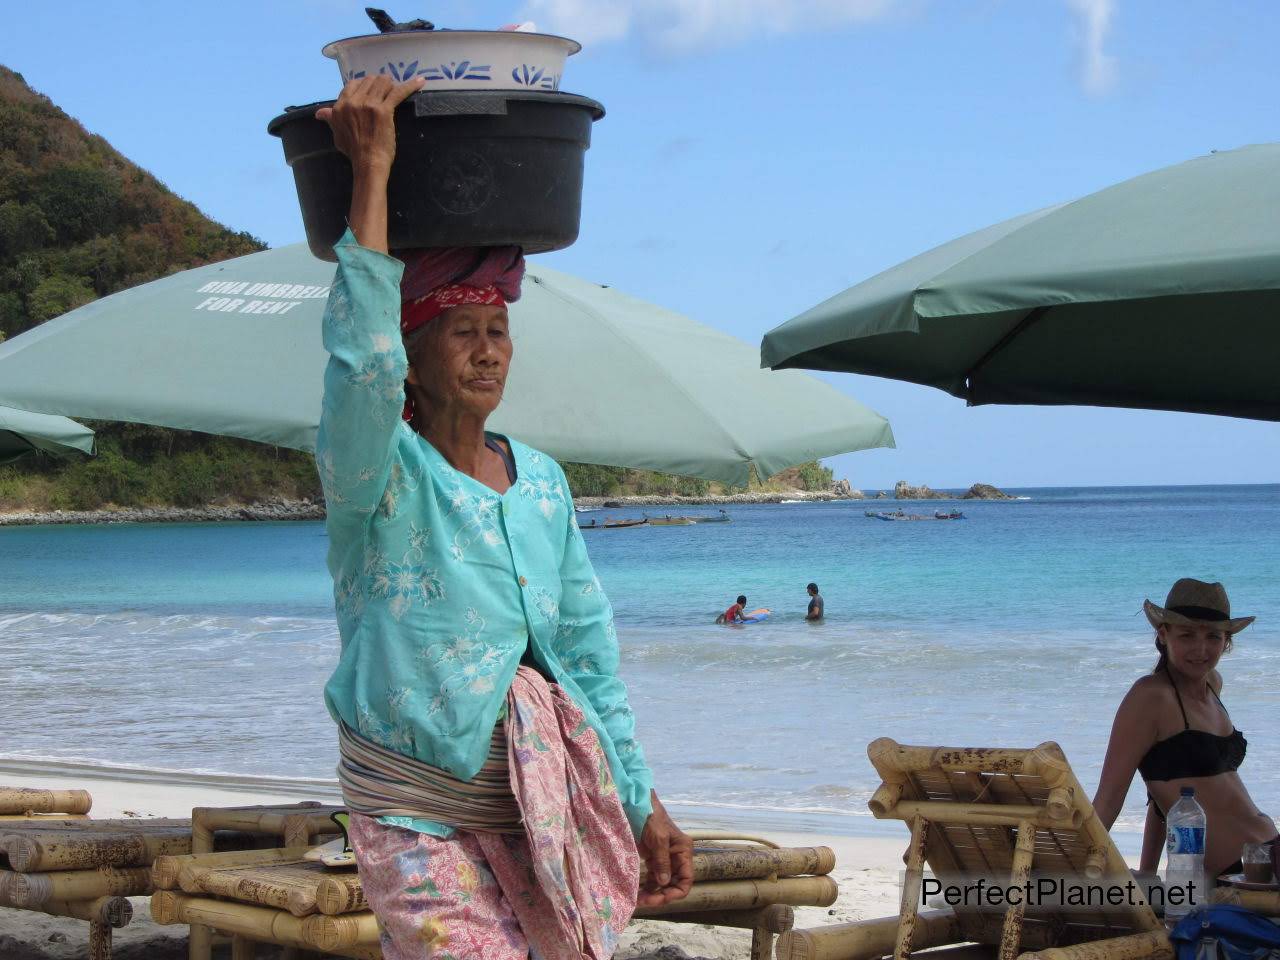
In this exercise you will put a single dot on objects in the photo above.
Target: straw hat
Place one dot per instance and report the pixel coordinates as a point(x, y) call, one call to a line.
point(1194, 601)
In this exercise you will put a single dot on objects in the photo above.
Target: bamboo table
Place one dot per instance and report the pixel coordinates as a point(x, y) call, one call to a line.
point(84, 868)
point(1265, 902)
point(297, 825)
point(25, 803)
point(103, 915)
point(276, 896)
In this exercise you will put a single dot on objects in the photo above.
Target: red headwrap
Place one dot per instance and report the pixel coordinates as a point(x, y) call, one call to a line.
point(436, 279)
point(415, 313)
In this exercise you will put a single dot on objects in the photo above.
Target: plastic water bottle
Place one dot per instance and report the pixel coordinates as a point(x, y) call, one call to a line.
point(1186, 825)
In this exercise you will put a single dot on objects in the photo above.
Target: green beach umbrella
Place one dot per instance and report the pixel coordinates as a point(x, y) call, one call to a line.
point(1160, 292)
point(599, 377)
point(22, 433)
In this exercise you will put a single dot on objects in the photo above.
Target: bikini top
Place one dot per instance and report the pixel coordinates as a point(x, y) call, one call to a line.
point(1193, 753)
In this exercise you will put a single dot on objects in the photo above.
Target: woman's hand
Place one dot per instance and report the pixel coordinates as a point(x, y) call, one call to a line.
point(364, 128)
point(363, 120)
point(668, 856)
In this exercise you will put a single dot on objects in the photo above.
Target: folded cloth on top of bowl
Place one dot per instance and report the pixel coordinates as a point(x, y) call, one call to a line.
point(382, 20)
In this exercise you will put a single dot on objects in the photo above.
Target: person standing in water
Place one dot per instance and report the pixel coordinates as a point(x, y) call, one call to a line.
point(816, 606)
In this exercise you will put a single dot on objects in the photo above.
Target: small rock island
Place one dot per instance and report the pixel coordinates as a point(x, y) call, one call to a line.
point(979, 491)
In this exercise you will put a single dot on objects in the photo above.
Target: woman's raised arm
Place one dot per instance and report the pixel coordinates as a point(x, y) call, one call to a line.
point(364, 381)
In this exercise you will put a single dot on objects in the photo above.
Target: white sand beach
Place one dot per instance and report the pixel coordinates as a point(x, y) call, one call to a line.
point(867, 871)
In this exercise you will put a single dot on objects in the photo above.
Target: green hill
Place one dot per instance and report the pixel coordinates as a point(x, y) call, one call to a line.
point(79, 221)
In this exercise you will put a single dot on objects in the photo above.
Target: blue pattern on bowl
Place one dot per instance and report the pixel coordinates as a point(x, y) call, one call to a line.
point(532, 76)
point(454, 70)
point(458, 70)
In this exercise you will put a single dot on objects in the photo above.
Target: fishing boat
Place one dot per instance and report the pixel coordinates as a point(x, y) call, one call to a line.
point(611, 524)
point(722, 517)
point(885, 515)
point(670, 521)
point(900, 515)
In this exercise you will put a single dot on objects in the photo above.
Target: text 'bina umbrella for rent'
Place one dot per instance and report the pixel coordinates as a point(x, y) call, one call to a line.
point(1160, 292)
point(22, 433)
point(599, 377)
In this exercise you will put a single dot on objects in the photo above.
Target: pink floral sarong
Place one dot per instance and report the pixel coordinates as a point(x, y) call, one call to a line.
point(562, 890)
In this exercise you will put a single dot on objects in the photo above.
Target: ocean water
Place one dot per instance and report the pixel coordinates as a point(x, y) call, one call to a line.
point(204, 647)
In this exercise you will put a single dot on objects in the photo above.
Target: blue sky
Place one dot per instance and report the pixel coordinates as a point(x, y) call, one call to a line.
point(758, 156)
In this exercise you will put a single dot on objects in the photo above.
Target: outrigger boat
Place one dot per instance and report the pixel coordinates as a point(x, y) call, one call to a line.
point(611, 524)
point(900, 515)
point(670, 521)
point(721, 518)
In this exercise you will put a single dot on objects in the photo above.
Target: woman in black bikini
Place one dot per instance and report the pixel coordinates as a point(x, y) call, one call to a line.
point(1173, 729)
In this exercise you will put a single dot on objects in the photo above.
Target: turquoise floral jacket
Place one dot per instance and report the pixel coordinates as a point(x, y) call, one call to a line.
point(440, 583)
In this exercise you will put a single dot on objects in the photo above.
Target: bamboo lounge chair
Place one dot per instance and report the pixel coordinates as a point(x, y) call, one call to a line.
point(999, 813)
point(280, 897)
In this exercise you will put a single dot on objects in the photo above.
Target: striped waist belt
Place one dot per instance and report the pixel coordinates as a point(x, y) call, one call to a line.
point(378, 782)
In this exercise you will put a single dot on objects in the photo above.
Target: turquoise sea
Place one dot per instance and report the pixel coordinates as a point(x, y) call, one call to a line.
point(204, 647)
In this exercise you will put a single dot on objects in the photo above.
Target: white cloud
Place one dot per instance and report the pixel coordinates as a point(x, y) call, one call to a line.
point(1098, 68)
point(681, 26)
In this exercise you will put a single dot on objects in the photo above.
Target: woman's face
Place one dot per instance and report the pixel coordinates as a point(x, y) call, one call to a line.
point(1194, 649)
point(461, 362)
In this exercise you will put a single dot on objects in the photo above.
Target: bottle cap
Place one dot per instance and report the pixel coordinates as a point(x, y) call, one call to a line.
point(1188, 791)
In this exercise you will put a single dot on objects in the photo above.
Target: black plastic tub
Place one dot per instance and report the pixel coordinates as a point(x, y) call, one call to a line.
point(472, 168)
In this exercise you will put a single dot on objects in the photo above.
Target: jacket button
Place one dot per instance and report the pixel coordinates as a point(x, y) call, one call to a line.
point(524, 582)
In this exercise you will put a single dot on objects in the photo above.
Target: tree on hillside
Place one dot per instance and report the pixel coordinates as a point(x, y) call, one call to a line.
point(79, 221)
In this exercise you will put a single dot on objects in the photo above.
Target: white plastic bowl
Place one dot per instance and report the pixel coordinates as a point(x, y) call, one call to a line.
point(458, 59)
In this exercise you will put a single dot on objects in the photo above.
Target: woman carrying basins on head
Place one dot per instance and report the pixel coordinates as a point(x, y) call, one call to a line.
point(500, 803)
point(1173, 728)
